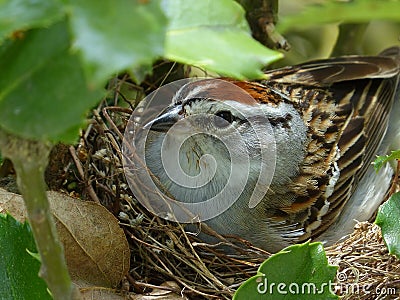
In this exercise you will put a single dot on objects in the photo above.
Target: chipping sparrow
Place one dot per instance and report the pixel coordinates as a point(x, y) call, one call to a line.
point(304, 148)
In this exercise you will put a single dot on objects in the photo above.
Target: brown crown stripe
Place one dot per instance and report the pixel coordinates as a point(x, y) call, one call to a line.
point(261, 93)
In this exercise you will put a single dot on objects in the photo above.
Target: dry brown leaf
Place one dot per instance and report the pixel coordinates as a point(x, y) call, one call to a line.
point(95, 247)
point(100, 294)
point(12, 203)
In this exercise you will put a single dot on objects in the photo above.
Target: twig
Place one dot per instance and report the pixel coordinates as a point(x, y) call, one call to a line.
point(151, 286)
point(262, 16)
point(78, 165)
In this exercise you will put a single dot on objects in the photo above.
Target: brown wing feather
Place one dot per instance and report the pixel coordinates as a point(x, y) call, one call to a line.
point(327, 71)
point(360, 91)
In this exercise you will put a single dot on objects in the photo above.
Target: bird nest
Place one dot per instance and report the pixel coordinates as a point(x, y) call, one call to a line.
point(164, 257)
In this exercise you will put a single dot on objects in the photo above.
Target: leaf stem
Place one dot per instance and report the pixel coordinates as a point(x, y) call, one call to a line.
point(30, 159)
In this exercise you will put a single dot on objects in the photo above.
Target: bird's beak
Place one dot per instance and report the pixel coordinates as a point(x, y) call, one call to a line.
point(166, 120)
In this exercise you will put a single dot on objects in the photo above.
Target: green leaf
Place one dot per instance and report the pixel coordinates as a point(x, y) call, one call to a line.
point(356, 11)
point(18, 269)
point(27, 14)
point(214, 35)
point(380, 160)
point(388, 220)
point(116, 35)
point(297, 272)
point(43, 91)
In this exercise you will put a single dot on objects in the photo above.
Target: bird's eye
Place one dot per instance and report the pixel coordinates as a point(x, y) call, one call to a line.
point(223, 118)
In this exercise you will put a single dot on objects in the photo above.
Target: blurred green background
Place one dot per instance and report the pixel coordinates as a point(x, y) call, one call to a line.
point(318, 41)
